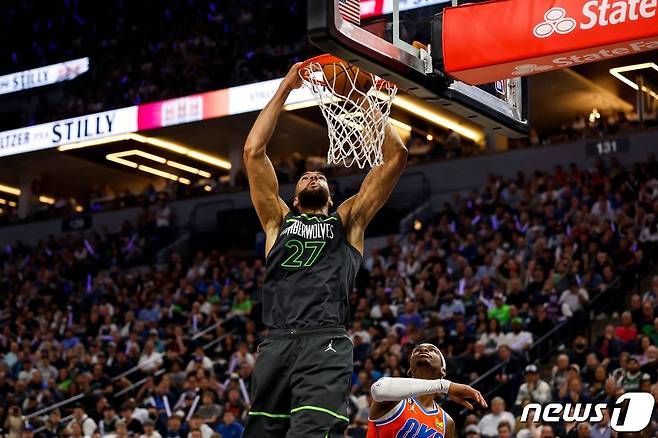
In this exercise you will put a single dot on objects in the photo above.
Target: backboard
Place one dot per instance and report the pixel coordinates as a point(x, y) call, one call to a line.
point(380, 41)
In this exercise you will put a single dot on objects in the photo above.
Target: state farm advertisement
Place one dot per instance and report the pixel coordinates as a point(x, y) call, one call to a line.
point(518, 38)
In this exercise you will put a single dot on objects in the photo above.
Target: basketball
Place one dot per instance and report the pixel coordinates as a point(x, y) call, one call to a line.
point(345, 78)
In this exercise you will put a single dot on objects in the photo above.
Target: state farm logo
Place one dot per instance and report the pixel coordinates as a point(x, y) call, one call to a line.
point(556, 21)
point(526, 69)
point(595, 13)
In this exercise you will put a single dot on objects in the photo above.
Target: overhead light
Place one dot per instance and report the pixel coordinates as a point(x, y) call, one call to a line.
point(190, 169)
point(207, 188)
point(182, 150)
point(119, 160)
point(399, 124)
point(3, 201)
point(78, 208)
point(218, 162)
point(430, 137)
point(300, 105)
point(139, 153)
point(432, 116)
point(46, 200)
point(164, 144)
point(157, 172)
point(118, 157)
point(12, 204)
point(594, 115)
point(617, 72)
point(11, 190)
point(184, 181)
point(89, 143)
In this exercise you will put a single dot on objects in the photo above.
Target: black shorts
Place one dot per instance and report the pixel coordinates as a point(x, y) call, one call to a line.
point(300, 385)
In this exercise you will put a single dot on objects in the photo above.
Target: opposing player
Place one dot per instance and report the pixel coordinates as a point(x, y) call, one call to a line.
point(406, 407)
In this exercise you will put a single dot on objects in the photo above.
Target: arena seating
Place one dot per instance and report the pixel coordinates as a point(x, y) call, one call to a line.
point(499, 279)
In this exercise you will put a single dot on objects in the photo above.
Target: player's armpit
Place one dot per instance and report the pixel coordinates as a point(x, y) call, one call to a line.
point(379, 409)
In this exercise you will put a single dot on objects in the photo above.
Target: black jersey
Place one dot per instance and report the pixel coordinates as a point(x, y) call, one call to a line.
point(310, 272)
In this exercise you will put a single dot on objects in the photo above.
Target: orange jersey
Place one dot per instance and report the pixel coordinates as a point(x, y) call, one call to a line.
point(410, 419)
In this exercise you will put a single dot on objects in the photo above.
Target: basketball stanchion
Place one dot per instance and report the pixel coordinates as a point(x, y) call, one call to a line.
point(356, 106)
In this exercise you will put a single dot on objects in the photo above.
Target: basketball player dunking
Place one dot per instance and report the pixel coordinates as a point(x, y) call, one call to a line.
point(303, 372)
point(406, 407)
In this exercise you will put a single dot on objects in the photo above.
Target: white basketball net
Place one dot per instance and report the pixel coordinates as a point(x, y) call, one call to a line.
point(356, 118)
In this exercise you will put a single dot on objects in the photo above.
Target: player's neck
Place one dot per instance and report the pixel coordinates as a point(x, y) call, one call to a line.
point(322, 210)
point(426, 400)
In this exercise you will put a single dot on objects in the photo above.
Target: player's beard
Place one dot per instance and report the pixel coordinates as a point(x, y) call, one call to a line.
point(313, 199)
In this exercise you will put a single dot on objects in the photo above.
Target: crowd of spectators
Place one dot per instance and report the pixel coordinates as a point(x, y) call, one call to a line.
point(593, 126)
point(499, 269)
point(150, 50)
point(169, 351)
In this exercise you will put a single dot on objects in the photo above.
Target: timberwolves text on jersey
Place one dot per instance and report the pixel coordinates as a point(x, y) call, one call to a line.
point(310, 272)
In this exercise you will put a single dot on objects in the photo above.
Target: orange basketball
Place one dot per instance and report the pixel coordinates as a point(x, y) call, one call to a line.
point(341, 76)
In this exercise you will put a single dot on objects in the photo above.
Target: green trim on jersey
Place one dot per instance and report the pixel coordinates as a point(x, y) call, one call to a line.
point(319, 409)
point(268, 415)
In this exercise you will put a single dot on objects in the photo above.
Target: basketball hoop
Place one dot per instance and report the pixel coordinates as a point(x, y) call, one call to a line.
point(356, 106)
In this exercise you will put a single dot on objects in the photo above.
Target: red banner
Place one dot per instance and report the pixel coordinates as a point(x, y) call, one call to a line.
point(484, 42)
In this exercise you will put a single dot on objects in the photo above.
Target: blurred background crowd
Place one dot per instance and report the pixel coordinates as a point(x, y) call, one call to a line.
point(511, 282)
point(153, 50)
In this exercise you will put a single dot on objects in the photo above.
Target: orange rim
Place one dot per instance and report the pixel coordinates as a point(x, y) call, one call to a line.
point(331, 59)
point(322, 60)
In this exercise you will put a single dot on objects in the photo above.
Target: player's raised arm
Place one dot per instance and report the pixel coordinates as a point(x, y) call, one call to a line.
point(389, 389)
point(428, 370)
point(358, 211)
point(263, 185)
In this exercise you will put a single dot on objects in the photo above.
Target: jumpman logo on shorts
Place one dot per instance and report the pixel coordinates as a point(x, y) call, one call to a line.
point(330, 347)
